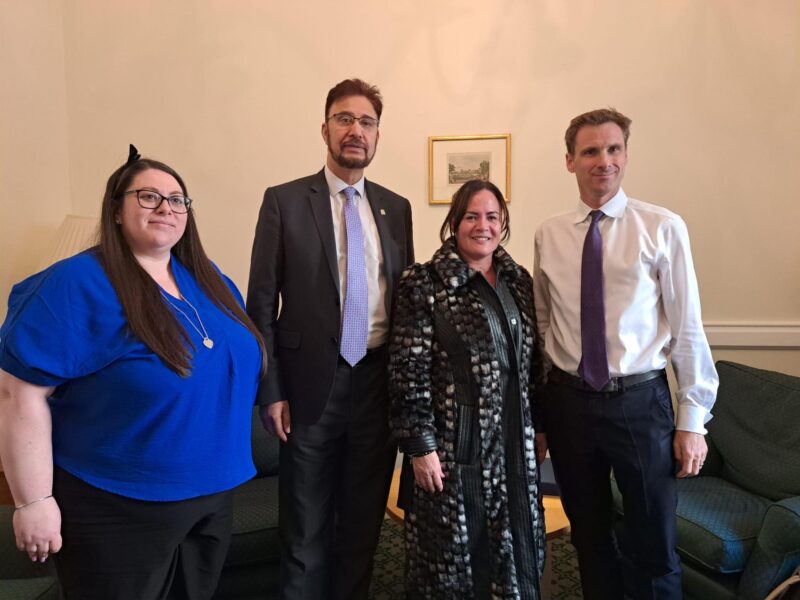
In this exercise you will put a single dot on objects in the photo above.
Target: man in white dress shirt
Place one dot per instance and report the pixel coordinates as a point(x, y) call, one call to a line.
point(616, 294)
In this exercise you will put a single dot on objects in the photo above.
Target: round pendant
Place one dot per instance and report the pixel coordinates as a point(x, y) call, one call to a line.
point(208, 343)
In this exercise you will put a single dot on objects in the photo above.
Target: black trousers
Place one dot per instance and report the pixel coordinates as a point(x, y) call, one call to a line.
point(631, 432)
point(334, 481)
point(118, 548)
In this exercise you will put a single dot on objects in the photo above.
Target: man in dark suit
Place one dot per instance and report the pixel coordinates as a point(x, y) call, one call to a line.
point(328, 252)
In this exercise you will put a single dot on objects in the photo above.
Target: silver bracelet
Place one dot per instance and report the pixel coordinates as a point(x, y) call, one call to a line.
point(17, 507)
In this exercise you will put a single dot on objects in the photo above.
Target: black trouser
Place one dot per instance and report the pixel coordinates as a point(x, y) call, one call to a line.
point(631, 432)
point(118, 548)
point(334, 481)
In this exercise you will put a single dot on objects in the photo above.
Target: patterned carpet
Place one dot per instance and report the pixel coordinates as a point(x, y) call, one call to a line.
point(387, 578)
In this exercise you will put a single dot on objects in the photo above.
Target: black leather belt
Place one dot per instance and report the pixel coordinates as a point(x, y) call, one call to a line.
point(616, 384)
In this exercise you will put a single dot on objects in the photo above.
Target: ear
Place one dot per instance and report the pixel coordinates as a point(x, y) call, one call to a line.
point(324, 132)
point(570, 163)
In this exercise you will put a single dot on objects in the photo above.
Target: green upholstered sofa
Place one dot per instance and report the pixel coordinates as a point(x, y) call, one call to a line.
point(253, 564)
point(251, 567)
point(739, 520)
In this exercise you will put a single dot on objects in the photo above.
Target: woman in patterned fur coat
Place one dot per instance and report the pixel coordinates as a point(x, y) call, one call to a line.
point(465, 371)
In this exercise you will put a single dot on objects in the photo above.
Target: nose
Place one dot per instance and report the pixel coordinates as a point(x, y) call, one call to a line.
point(164, 206)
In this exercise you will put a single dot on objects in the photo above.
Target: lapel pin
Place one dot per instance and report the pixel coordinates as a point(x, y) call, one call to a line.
point(383, 212)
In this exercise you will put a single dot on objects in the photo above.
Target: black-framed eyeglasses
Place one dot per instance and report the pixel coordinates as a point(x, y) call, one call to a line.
point(152, 200)
point(346, 119)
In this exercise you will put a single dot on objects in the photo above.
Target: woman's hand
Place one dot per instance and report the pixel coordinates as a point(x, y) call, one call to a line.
point(37, 529)
point(428, 472)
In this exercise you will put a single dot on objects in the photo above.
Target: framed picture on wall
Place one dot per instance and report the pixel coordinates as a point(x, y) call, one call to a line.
point(455, 159)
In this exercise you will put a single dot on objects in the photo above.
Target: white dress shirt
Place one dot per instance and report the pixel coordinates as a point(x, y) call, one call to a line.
point(652, 303)
point(376, 279)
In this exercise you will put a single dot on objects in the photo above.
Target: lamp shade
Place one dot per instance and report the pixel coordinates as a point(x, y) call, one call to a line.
point(75, 233)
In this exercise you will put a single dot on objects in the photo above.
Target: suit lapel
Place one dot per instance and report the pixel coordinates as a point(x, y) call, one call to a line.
point(382, 222)
point(320, 199)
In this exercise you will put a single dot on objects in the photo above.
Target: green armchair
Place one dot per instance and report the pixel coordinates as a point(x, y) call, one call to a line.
point(739, 520)
point(252, 566)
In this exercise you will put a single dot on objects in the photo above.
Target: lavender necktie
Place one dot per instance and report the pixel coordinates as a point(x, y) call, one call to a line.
point(594, 361)
point(354, 320)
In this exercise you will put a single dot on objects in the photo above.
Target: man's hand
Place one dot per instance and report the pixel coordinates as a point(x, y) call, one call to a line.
point(690, 451)
point(428, 472)
point(276, 419)
point(541, 447)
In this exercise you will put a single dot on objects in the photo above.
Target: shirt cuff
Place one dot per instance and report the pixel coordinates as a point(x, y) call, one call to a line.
point(692, 418)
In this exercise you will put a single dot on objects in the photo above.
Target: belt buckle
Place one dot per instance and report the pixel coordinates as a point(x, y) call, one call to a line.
point(613, 385)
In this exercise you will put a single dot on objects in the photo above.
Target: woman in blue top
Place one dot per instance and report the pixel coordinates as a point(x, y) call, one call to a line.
point(127, 380)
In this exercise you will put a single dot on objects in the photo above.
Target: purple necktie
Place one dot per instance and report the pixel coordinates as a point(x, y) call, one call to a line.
point(354, 320)
point(594, 362)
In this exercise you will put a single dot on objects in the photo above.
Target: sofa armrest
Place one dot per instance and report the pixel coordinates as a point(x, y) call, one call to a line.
point(713, 462)
point(777, 550)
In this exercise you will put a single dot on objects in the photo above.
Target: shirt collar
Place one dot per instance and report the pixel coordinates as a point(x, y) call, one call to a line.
point(336, 185)
point(613, 208)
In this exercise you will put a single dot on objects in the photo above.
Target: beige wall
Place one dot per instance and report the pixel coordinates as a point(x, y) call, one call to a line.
point(34, 149)
point(231, 94)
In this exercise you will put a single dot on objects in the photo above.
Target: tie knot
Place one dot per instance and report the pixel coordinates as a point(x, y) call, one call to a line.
point(350, 193)
point(596, 216)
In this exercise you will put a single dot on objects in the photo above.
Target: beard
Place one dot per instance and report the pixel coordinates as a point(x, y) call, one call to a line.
point(347, 162)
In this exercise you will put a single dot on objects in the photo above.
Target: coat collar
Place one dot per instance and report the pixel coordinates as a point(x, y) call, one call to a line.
point(454, 272)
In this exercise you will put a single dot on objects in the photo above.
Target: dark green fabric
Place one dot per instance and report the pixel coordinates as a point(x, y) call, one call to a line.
point(756, 429)
point(718, 523)
point(38, 588)
point(252, 565)
point(265, 448)
point(777, 552)
point(699, 584)
point(255, 523)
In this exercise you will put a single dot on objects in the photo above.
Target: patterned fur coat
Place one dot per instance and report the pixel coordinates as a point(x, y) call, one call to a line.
point(442, 367)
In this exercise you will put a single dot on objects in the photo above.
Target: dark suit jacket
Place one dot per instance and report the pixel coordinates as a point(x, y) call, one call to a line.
point(294, 260)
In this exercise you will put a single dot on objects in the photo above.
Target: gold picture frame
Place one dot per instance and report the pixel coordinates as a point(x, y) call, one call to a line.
point(454, 159)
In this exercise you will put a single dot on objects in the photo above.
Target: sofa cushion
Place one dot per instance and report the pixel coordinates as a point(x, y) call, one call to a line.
point(255, 523)
point(755, 429)
point(718, 523)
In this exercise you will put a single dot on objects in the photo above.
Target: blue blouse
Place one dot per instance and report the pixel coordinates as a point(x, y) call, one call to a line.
point(122, 420)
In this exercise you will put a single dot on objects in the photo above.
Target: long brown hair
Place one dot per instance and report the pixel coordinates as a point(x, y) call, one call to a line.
point(148, 316)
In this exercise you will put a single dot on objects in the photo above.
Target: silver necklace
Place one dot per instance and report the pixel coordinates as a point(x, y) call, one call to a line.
point(207, 341)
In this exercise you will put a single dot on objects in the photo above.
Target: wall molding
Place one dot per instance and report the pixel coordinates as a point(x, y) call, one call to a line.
point(753, 335)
